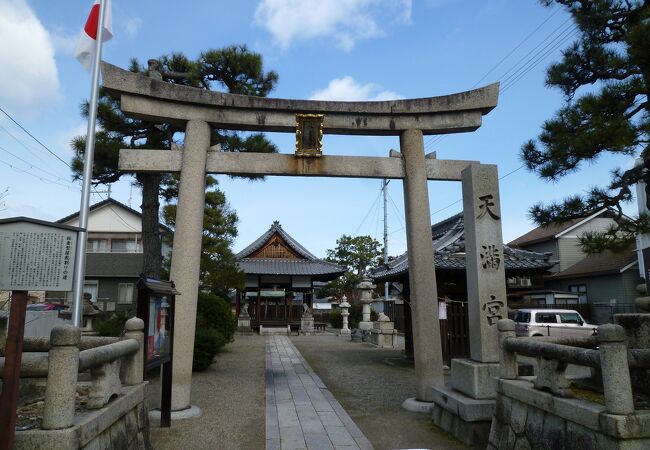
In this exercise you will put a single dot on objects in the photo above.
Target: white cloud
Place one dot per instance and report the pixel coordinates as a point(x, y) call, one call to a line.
point(348, 89)
point(28, 77)
point(132, 26)
point(63, 138)
point(64, 42)
point(346, 21)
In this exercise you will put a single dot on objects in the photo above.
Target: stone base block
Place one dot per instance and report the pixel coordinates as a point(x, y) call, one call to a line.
point(475, 379)
point(467, 408)
point(243, 324)
point(470, 433)
point(307, 325)
point(383, 338)
point(387, 326)
point(345, 332)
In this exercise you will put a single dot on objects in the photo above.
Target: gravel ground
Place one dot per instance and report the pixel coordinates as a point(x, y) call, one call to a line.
point(371, 384)
point(231, 395)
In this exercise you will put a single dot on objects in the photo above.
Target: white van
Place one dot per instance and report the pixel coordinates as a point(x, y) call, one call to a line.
point(551, 322)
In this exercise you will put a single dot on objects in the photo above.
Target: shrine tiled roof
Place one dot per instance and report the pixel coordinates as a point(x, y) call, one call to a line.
point(263, 239)
point(449, 253)
point(307, 264)
point(273, 266)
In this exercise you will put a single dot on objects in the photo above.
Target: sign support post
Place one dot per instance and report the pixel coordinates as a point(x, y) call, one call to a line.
point(11, 377)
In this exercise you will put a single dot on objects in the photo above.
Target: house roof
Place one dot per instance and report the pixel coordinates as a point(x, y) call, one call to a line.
point(552, 230)
point(449, 253)
point(109, 201)
point(307, 264)
point(605, 263)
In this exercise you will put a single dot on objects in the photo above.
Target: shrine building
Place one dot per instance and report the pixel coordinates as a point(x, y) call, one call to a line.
point(280, 276)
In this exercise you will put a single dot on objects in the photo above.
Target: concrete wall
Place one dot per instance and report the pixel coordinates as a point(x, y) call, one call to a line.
point(569, 251)
point(602, 289)
point(40, 323)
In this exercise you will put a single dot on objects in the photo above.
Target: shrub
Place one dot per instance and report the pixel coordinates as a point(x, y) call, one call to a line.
point(113, 326)
point(214, 312)
point(207, 343)
point(215, 326)
point(336, 319)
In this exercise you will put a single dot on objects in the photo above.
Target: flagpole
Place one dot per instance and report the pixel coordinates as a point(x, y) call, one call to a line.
point(80, 261)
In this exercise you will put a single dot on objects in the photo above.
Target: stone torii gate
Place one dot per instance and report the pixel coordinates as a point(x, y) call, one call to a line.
point(147, 98)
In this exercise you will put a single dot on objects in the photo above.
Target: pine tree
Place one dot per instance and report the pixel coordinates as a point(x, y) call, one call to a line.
point(234, 69)
point(605, 78)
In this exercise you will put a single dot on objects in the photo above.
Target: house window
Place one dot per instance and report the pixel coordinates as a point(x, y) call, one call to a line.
point(125, 246)
point(97, 246)
point(125, 293)
point(580, 289)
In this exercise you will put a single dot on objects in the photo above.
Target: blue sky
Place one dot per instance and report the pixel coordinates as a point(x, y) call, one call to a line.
point(333, 49)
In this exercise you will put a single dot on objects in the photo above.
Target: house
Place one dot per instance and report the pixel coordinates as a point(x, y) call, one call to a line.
point(114, 256)
point(524, 271)
point(280, 276)
point(606, 282)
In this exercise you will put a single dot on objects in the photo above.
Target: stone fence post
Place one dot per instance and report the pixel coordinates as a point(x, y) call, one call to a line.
point(134, 370)
point(508, 360)
point(615, 369)
point(61, 388)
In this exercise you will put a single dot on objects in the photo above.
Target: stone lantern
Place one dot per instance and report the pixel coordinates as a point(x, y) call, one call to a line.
point(344, 305)
point(365, 287)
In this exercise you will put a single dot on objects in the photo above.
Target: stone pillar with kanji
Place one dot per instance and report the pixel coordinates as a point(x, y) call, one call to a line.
point(486, 282)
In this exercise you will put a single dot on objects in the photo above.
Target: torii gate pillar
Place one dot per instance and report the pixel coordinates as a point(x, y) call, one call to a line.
point(422, 273)
point(186, 257)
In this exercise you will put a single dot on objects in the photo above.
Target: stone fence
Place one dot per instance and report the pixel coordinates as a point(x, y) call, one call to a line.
point(105, 408)
point(546, 411)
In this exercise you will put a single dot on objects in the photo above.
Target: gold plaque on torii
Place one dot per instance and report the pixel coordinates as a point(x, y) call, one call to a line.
point(309, 135)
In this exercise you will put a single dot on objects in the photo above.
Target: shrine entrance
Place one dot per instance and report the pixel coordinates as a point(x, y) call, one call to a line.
point(154, 100)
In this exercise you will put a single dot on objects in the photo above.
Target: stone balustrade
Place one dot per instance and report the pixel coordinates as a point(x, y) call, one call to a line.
point(111, 362)
point(607, 351)
point(547, 412)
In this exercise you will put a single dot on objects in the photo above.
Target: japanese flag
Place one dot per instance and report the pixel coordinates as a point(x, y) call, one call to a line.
point(87, 41)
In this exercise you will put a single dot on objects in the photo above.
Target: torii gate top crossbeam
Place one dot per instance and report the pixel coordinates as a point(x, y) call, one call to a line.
point(147, 98)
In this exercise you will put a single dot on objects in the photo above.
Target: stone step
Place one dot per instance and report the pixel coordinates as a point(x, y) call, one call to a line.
point(273, 330)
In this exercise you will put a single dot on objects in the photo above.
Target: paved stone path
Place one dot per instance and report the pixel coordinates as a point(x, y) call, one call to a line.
point(301, 413)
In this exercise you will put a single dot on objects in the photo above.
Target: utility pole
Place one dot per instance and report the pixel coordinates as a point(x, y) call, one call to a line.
point(384, 186)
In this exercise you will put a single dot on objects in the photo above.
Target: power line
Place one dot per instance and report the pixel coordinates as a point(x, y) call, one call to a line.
point(525, 59)
point(516, 47)
point(28, 148)
point(43, 179)
point(367, 214)
point(34, 137)
point(34, 166)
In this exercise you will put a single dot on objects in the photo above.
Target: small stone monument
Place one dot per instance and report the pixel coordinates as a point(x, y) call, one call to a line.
point(244, 319)
point(307, 320)
point(344, 305)
point(383, 332)
point(89, 311)
point(365, 287)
